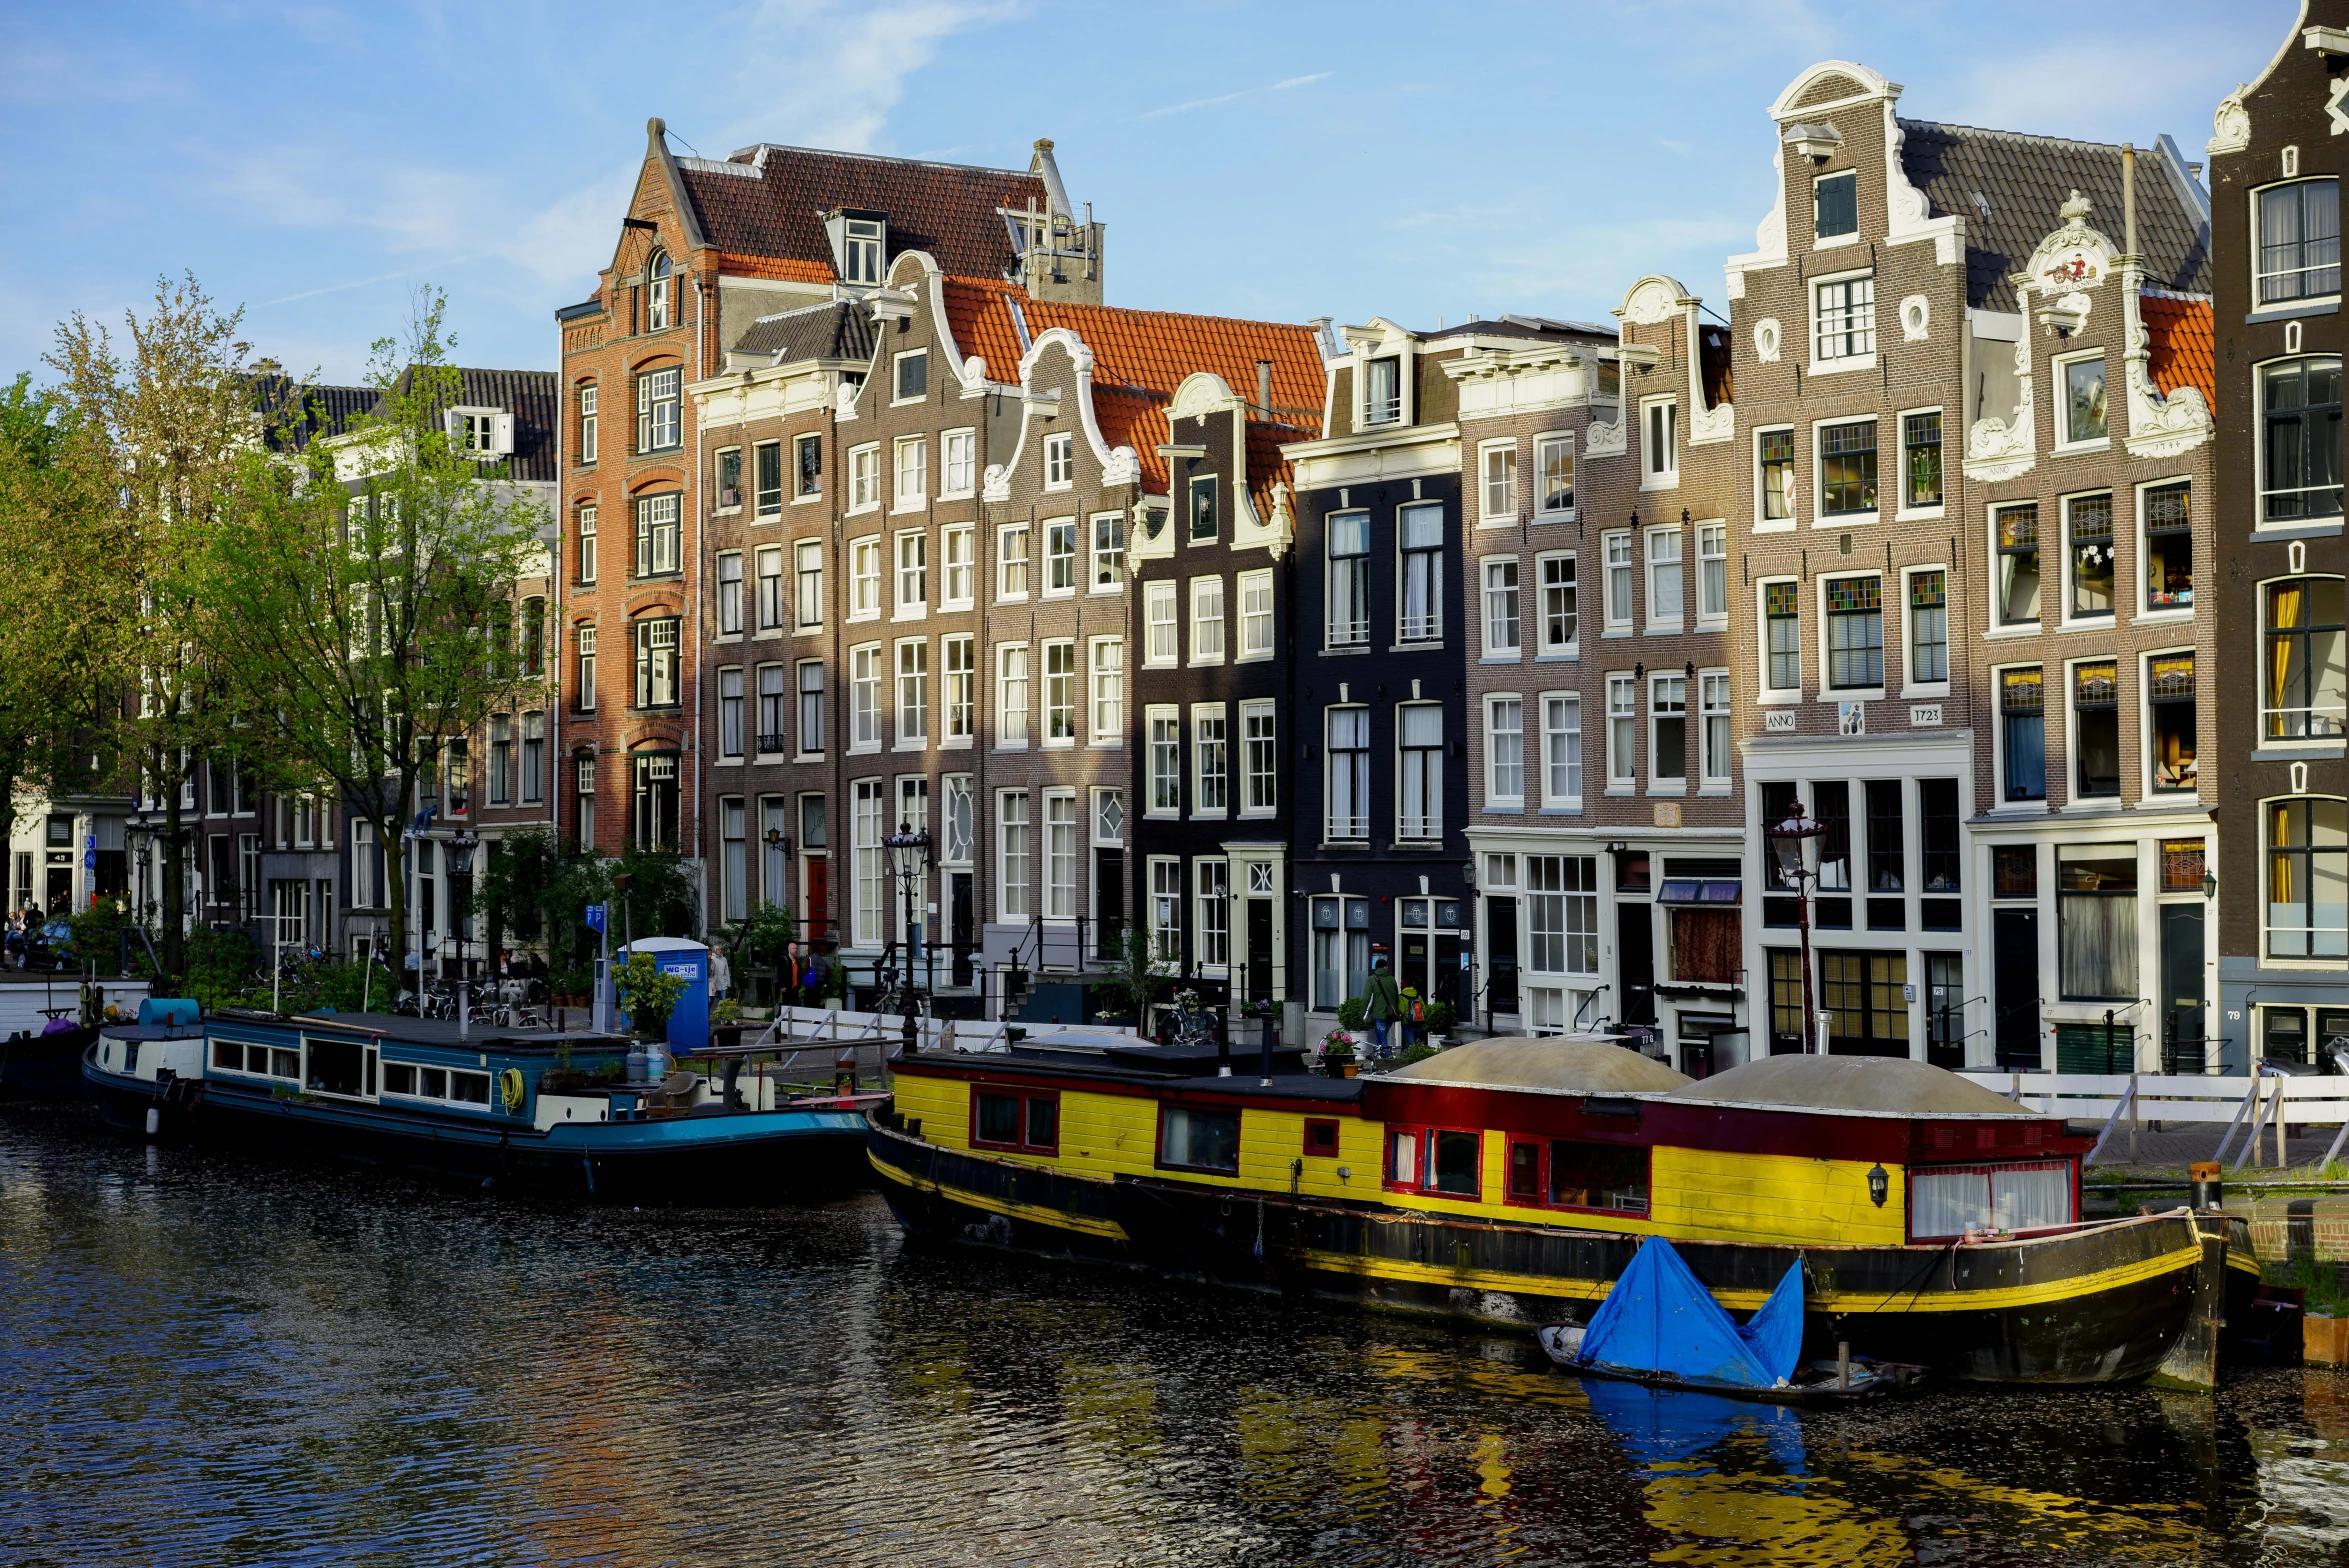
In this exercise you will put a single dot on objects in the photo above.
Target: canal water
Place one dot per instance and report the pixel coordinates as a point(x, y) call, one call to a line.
point(209, 1360)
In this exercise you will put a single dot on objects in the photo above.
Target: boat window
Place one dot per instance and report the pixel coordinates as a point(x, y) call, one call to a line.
point(229, 1054)
point(469, 1088)
point(399, 1078)
point(1948, 1201)
point(1403, 1159)
point(1044, 1122)
point(1525, 1172)
point(1599, 1176)
point(1321, 1137)
point(1199, 1140)
point(273, 1063)
point(1002, 1119)
point(998, 1118)
point(1453, 1163)
point(336, 1066)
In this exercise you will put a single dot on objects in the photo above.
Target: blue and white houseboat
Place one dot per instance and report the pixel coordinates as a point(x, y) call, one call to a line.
point(533, 1110)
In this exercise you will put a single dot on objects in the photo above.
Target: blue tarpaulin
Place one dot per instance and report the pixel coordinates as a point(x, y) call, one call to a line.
point(1659, 1318)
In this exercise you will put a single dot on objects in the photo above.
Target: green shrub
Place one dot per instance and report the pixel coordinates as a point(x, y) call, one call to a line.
point(1352, 1013)
point(648, 994)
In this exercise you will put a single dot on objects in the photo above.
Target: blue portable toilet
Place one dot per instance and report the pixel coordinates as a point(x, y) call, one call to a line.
point(689, 1025)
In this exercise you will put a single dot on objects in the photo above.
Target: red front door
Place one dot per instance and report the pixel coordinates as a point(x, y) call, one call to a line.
point(819, 897)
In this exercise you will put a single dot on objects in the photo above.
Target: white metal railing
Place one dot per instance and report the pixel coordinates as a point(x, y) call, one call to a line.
point(2266, 1104)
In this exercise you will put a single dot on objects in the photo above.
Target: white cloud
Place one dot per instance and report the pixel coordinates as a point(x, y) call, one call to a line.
point(844, 66)
point(1302, 81)
point(2103, 88)
point(1186, 108)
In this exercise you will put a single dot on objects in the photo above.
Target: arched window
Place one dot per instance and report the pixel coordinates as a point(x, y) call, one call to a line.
point(656, 292)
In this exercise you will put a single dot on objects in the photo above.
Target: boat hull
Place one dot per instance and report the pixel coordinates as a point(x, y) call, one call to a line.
point(2101, 1304)
point(45, 1066)
point(741, 1158)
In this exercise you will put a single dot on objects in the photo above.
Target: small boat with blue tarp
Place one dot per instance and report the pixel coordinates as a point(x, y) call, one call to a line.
point(1660, 1326)
point(541, 1110)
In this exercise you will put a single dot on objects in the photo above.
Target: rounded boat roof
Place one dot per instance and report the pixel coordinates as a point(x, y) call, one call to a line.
point(1865, 1085)
point(1561, 1064)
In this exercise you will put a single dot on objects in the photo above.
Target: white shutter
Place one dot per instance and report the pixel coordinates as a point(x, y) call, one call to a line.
point(502, 435)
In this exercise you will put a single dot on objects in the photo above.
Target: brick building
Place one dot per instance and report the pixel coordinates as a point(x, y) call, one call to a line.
point(2280, 777)
point(1966, 610)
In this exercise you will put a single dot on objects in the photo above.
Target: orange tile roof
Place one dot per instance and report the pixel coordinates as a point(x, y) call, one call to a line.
point(790, 268)
point(2179, 344)
point(1141, 356)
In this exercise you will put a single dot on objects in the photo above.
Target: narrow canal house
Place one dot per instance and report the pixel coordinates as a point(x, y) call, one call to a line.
point(1605, 821)
point(2282, 871)
point(1974, 664)
point(1212, 559)
point(706, 249)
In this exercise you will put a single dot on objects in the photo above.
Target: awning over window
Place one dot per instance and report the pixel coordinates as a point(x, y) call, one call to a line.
point(1692, 890)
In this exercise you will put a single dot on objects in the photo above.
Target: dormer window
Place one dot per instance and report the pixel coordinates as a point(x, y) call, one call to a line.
point(1383, 392)
point(476, 433)
point(861, 252)
point(657, 281)
point(1837, 199)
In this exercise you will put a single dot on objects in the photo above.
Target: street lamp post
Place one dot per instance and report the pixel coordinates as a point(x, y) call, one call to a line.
point(461, 848)
point(909, 863)
point(1786, 846)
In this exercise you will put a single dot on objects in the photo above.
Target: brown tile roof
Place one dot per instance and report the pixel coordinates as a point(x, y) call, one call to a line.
point(2179, 344)
point(2009, 188)
point(769, 202)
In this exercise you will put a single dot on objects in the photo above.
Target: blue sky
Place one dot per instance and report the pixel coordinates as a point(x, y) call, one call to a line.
point(315, 162)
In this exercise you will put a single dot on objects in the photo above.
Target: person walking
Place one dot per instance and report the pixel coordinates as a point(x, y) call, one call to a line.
point(815, 979)
point(790, 971)
point(1382, 1004)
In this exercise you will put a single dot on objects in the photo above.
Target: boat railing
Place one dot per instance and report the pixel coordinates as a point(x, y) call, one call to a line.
point(2264, 1104)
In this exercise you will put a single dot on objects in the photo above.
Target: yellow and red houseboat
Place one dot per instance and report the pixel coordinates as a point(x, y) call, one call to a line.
point(1510, 1181)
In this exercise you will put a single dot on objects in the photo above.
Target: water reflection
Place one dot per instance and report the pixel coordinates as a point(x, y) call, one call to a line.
point(207, 1359)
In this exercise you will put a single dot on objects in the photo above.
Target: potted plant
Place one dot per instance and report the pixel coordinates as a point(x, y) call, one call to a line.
point(1338, 1058)
point(648, 995)
point(726, 1023)
point(1441, 1017)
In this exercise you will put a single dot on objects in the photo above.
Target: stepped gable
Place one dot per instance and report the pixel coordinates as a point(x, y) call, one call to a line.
point(2010, 189)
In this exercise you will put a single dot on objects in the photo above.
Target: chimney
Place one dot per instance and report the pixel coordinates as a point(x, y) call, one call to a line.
point(1049, 172)
point(1264, 386)
point(2129, 200)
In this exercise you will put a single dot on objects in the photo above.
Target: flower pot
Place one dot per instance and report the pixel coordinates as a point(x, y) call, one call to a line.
point(1348, 1069)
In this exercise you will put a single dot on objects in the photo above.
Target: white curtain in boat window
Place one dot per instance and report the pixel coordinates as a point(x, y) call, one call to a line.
point(2007, 1197)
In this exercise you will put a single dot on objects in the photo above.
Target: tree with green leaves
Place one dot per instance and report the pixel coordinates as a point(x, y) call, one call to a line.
point(160, 428)
point(62, 632)
point(360, 598)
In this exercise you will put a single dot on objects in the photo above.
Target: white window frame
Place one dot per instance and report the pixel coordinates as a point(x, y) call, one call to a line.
point(1059, 530)
point(1431, 627)
point(1260, 758)
point(1659, 449)
point(1664, 550)
point(864, 697)
point(1502, 624)
point(2068, 619)
point(729, 605)
point(1664, 783)
point(1763, 523)
point(1622, 732)
point(1062, 849)
point(1901, 510)
point(1858, 359)
point(1211, 880)
point(958, 552)
point(1060, 460)
point(958, 464)
point(1014, 856)
point(802, 551)
point(912, 693)
point(1820, 516)
point(1109, 565)
point(1496, 483)
point(958, 658)
point(897, 377)
point(909, 483)
point(1258, 625)
point(1910, 685)
point(1561, 730)
point(2300, 304)
point(910, 579)
point(1211, 743)
point(1207, 628)
point(2059, 369)
point(1828, 690)
point(1164, 912)
point(864, 577)
point(1329, 764)
point(1011, 563)
point(1106, 682)
point(1504, 751)
point(1546, 566)
point(864, 478)
point(1428, 758)
point(1619, 558)
point(1712, 563)
point(1014, 695)
point(1545, 449)
point(772, 609)
point(1162, 625)
point(1717, 743)
point(1162, 760)
point(1058, 702)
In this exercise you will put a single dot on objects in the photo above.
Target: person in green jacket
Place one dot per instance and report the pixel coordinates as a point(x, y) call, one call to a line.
point(1382, 1003)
